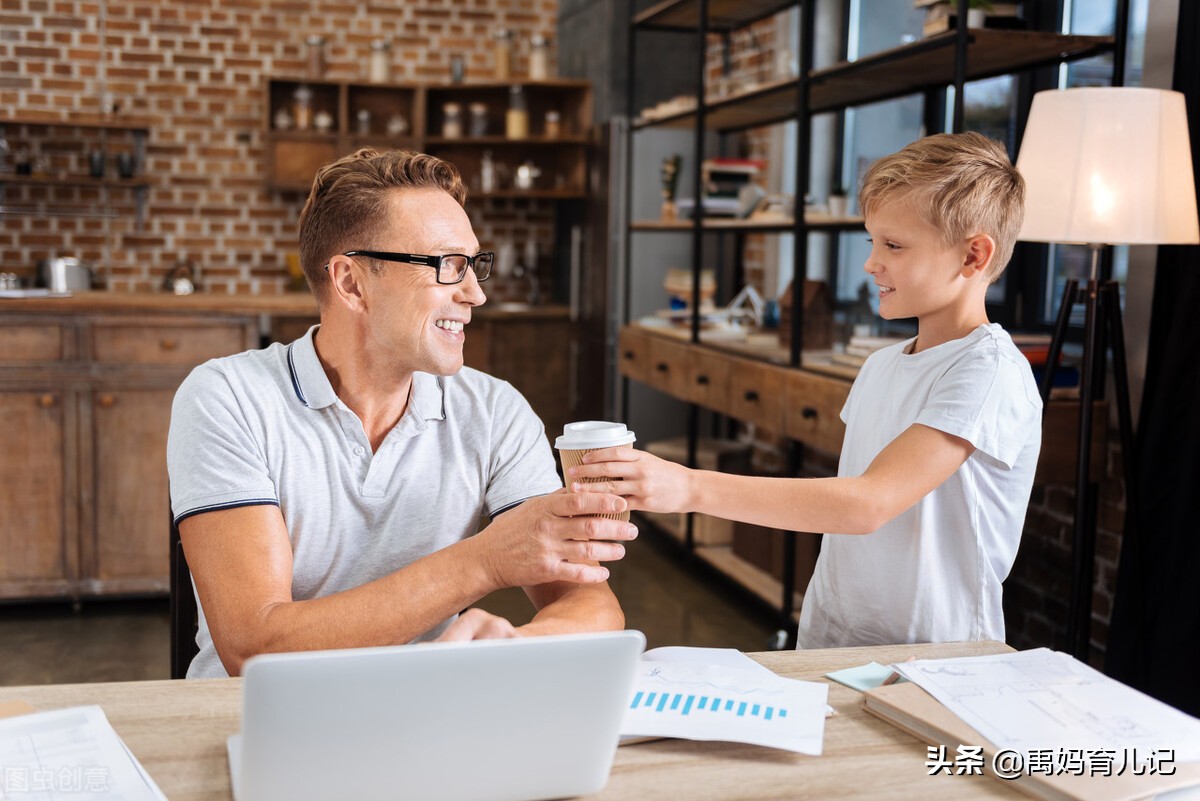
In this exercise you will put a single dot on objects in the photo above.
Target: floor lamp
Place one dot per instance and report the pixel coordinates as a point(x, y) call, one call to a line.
point(1103, 166)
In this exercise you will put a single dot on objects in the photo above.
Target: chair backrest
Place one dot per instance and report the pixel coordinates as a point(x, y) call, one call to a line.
point(184, 615)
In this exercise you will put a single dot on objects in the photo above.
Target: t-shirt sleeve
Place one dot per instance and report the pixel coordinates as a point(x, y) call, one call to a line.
point(521, 464)
point(989, 400)
point(214, 454)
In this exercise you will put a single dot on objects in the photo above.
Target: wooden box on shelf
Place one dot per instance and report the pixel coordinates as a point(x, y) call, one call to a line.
point(818, 316)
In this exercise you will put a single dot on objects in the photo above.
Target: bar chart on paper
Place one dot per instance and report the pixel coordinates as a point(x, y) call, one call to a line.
point(706, 702)
point(688, 704)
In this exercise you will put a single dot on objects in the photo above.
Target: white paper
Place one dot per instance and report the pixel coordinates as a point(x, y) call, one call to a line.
point(1042, 699)
point(697, 701)
point(717, 657)
point(69, 753)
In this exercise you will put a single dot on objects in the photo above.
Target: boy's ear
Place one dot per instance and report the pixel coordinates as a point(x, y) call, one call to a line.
point(981, 249)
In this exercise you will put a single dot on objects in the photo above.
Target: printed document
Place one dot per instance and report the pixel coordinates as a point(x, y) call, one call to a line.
point(1042, 699)
point(70, 753)
point(721, 694)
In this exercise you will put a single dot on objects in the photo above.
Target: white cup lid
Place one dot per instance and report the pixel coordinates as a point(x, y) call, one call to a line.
point(592, 434)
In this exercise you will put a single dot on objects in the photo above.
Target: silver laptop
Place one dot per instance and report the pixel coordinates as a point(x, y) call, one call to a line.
point(490, 720)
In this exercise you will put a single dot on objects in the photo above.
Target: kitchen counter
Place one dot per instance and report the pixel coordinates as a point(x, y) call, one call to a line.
point(294, 304)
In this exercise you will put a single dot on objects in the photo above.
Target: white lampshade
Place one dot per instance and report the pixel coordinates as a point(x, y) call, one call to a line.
point(1108, 165)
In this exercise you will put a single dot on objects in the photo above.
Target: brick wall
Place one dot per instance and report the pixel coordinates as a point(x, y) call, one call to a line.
point(197, 72)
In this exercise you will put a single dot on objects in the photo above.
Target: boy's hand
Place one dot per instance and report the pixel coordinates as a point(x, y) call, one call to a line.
point(646, 482)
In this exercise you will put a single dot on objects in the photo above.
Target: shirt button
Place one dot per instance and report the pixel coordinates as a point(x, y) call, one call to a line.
point(359, 450)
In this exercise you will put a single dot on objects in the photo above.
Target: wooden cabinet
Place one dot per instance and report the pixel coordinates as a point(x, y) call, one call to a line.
point(85, 400)
point(534, 352)
point(37, 471)
point(130, 489)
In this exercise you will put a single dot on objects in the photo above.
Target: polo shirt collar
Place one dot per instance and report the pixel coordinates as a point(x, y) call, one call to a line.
point(313, 389)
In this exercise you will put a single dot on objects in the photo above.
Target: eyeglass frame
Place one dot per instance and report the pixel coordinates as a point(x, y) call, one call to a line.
point(435, 262)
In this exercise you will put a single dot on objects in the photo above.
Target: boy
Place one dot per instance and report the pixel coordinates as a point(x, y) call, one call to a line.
point(942, 431)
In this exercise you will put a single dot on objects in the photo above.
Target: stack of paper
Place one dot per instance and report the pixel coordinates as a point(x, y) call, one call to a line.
point(70, 753)
point(1063, 730)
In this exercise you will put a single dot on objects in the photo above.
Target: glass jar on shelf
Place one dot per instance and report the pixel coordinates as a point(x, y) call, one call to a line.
point(553, 126)
point(502, 54)
point(487, 173)
point(452, 123)
point(539, 58)
point(516, 119)
point(302, 107)
point(363, 121)
point(397, 125)
point(379, 67)
point(479, 119)
point(315, 55)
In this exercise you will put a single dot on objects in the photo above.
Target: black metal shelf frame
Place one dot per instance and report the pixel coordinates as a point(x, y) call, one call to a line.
point(871, 79)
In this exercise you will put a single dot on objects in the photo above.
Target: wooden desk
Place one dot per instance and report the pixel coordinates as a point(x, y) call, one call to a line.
point(178, 732)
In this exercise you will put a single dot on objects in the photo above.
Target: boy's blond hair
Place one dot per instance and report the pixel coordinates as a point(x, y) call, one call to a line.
point(962, 184)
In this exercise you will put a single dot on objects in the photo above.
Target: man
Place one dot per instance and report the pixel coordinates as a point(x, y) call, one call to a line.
point(329, 492)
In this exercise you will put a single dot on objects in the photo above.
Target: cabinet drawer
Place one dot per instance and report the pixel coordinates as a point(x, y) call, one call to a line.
point(811, 412)
point(708, 379)
point(36, 342)
point(669, 363)
point(633, 354)
point(163, 344)
point(756, 393)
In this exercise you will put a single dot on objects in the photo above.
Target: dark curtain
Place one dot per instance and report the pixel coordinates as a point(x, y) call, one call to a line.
point(1154, 639)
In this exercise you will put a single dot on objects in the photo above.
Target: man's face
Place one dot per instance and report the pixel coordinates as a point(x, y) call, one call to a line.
point(413, 322)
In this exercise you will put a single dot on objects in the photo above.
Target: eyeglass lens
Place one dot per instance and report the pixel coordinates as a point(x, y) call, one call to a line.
point(455, 266)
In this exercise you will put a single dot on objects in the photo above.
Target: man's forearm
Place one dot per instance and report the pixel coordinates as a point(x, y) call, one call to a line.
point(391, 610)
point(570, 608)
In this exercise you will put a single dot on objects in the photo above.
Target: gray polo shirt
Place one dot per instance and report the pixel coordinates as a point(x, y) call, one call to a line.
point(265, 427)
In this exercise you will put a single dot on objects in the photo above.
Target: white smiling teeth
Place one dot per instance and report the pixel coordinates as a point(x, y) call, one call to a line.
point(450, 325)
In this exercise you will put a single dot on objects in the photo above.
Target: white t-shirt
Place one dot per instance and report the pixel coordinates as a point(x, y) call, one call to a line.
point(265, 427)
point(933, 573)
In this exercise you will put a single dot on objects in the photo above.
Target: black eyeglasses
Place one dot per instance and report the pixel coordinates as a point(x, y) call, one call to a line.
point(454, 265)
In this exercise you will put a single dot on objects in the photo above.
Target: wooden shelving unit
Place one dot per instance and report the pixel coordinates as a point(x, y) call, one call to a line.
point(136, 128)
point(293, 156)
point(744, 380)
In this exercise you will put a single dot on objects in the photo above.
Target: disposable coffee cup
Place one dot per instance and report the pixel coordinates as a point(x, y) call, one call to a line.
point(585, 437)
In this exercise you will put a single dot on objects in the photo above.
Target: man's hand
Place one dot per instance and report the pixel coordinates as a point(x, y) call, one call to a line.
point(644, 480)
point(554, 538)
point(476, 624)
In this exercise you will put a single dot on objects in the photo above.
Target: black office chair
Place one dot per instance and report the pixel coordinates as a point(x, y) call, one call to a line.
point(185, 620)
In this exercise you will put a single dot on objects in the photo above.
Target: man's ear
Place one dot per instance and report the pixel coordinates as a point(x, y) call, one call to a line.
point(981, 249)
point(346, 279)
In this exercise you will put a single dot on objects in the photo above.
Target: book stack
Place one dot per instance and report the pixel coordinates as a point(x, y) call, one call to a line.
point(859, 348)
point(942, 15)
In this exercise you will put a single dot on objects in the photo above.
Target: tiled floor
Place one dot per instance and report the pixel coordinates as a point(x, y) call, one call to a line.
point(128, 640)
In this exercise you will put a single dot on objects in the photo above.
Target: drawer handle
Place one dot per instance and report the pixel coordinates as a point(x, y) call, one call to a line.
point(168, 344)
point(629, 355)
point(808, 413)
point(105, 400)
point(47, 400)
point(702, 380)
point(751, 396)
point(662, 367)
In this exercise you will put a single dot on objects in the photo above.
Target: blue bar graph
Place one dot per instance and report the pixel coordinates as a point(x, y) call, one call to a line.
point(685, 704)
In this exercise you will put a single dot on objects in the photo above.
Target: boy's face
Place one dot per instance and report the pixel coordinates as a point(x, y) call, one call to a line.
point(916, 274)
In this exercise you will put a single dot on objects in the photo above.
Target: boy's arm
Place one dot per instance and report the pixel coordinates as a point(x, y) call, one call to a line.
point(915, 463)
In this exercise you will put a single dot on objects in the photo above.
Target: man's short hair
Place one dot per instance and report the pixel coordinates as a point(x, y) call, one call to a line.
point(349, 203)
point(962, 184)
